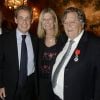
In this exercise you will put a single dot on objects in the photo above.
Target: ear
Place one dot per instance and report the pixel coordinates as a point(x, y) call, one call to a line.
point(15, 20)
point(32, 21)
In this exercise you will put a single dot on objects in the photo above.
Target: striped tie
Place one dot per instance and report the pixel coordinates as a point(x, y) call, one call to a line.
point(57, 70)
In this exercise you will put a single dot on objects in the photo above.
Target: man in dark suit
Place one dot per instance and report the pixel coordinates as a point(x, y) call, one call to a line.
point(78, 77)
point(18, 77)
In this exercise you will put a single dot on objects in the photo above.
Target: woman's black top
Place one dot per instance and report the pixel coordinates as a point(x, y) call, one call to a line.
point(46, 60)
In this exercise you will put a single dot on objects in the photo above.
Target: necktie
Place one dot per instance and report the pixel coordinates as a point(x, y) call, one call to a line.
point(57, 70)
point(23, 62)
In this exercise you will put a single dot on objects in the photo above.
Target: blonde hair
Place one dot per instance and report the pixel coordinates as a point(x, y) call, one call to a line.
point(40, 30)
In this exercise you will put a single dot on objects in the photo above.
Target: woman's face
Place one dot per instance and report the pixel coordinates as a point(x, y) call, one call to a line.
point(48, 22)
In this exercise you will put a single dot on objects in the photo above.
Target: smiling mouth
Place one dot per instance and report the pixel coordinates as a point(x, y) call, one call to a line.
point(47, 25)
point(24, 26)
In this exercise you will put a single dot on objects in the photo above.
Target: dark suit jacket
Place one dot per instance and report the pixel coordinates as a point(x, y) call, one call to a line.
point(10, 66)
point(5, 30)
point(82, 77)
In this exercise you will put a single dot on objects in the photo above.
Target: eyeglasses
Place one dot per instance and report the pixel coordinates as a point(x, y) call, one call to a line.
point(20, 18)
point(71, 23)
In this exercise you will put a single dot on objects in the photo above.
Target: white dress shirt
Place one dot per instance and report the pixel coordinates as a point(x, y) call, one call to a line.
point(30, 65)
point(59, 90)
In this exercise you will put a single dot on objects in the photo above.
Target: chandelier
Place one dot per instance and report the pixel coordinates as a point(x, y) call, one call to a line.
point(13, 4)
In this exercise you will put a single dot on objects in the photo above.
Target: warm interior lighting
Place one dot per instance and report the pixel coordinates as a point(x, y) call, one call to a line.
point(35, 13)
point(12, 4)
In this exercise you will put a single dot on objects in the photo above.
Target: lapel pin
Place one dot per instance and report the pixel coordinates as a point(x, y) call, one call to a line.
point(77, 53)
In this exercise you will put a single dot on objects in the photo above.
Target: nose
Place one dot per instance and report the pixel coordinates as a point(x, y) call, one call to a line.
point(24, 19)
point(69, 25)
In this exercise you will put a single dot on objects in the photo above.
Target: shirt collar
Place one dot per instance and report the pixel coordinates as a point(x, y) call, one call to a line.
point(78, 37)
point(19, 33)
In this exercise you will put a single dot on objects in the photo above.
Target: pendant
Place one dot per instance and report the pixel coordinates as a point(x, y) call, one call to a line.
point(76, 59)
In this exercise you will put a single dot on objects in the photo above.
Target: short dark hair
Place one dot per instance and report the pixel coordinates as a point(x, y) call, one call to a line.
point(24, 7)
point(80, 13)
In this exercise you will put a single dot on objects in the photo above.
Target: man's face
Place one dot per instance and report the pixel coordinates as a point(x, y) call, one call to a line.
point(72, 25)
point(23, 21)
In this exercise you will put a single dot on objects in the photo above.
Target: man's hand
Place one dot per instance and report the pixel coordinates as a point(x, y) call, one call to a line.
point(2, 93)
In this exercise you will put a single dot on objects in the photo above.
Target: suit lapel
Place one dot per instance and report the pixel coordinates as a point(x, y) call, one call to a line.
point(82, 47)
point(14, 49)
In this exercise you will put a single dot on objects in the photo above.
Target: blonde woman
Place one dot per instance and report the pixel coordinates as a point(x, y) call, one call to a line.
point(50, 44)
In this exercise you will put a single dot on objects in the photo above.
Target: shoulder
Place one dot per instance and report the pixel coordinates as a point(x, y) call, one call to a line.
point(34, 37)
point(8, 37)
point(93, 38)
point(93, 42)
point(6, 30)
point(62, 39)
